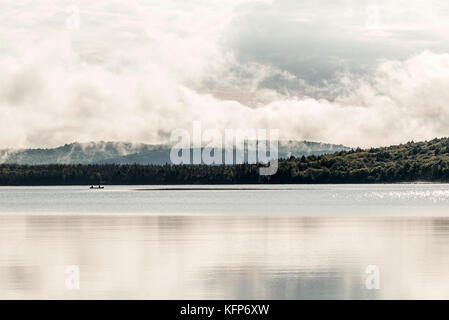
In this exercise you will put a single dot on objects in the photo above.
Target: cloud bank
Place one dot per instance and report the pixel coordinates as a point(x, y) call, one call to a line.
point(136, 70)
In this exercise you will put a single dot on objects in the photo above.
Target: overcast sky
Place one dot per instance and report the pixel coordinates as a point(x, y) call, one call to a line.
point(361, 73)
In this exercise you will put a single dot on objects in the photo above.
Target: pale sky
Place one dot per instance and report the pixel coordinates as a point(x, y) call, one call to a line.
point(361, 73)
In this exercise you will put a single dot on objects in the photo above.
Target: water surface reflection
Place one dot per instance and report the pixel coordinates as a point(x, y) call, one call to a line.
point(219, 257)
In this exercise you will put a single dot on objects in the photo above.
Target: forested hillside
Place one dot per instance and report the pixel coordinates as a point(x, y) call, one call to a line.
point(413, 161)
point(136, 153)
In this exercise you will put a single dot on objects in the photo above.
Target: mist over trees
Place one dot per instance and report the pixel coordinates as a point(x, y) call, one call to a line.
point(413, 161)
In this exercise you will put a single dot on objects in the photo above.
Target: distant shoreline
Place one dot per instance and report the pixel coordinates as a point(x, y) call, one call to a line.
point(209, 187)
point(411, 163)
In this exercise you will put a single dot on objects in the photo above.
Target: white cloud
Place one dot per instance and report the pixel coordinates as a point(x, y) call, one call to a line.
point(137, 71)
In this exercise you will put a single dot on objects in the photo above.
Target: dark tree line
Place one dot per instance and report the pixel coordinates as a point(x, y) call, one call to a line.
point(422, 161)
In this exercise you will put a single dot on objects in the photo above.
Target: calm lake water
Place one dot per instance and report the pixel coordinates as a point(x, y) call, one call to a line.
point(225, 242)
